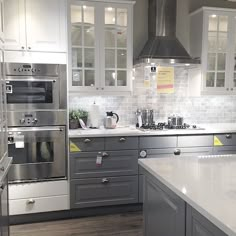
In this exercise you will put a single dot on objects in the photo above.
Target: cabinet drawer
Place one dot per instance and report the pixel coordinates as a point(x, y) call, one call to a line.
point(157, 142)
point(227, 150)
point(197, 151)
point(114, 163)
point(87, 144)
point(225, 139)
point(195, 141)
point(104, 191)
point(119, 143)
point(36, 205)
point(39, 189)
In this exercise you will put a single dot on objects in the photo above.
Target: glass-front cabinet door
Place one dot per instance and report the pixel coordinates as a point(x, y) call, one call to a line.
point(101, 46)
point(84, 46)
point(216, 51)
point(116, 47)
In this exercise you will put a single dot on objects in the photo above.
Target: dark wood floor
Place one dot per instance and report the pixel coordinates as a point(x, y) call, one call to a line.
point(129, 224)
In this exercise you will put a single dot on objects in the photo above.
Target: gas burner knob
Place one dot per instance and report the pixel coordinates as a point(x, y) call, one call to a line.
point(34, 70)
point(20, 69)
point(22, 121)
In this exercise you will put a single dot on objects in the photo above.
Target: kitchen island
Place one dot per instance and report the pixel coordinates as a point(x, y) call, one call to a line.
point(192, 196)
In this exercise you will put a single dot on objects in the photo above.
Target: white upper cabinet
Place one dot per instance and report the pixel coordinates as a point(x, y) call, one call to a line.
point(101, 46)
point(14, 25)
point(213, 36)
point(35, 25)
point(1, 20)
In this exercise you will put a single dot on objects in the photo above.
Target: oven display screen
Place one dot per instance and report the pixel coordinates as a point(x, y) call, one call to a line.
point(27, 66)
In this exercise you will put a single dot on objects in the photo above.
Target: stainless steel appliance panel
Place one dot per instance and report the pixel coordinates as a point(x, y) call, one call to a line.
point(39, 153)
point(38, 86)
point(36, 118)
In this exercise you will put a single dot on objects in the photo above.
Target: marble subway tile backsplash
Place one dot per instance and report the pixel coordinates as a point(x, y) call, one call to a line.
point(203, 109)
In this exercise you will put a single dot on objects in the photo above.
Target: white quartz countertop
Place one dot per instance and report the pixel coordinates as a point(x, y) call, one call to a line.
point(132, 131)
point(207, 184)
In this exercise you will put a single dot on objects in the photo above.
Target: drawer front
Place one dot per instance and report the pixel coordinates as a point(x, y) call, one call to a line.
point(157, 142)
point(195, 141)
point(199, 151)
point(40, 189)
point(121, 143)
point(36, 205)
point(140, 188)
point(225, 139)
point(114, 163)
point(227, 150)
point(104, 191)
point(87, 144)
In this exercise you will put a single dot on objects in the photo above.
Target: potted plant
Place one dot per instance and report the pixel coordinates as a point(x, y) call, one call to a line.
point(83, 115)
point(73, 119)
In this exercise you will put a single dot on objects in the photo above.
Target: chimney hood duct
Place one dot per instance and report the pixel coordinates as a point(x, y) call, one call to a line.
point(162, 45)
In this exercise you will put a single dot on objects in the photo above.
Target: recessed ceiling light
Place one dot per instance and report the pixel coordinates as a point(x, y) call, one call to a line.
point(109, 8)
point(187, 64)
point(84, 6)
point(172, 61)
point(213, 16)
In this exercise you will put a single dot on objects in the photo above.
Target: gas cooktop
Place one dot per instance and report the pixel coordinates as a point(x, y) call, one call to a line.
point(165, 126)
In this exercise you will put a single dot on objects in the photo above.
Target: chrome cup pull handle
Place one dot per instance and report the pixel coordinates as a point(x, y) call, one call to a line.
point(30, 202)
point(105, 180)
point(105, 154)
point(228, 136)
point(87, 140)
point(122, 139)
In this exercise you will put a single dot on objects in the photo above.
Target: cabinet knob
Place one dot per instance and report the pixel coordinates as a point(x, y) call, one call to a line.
point(102, 88)
point(177, 152)
point(96, 88)
point(87, 140)
point(232, 89)
point(105, 180)
point(29, 48)
point(227, 89)
point(22, 47)
point(122, 139)
point(228, 136)
point(105, 154)
point(2, 168)
point(30, 201)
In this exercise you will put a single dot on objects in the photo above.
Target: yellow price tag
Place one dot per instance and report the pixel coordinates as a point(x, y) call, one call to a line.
point(74, 147)
point(217, 141)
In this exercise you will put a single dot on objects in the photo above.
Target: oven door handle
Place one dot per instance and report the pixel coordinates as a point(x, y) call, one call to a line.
point(31, 80)
point(32, 129)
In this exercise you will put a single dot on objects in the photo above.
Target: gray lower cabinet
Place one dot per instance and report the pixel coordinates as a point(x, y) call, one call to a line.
point(195, 141)
point(92, 192)
point(197, 225)
point(164, 211)
point(225, 150)
point(114, 163)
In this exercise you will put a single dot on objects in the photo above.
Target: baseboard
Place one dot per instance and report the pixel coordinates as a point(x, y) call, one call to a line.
point(76, 213)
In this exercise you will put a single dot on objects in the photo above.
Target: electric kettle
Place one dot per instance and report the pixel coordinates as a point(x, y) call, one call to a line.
point(111, 120)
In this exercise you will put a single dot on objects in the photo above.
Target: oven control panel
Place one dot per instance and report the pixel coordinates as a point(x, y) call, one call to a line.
point(28, 119)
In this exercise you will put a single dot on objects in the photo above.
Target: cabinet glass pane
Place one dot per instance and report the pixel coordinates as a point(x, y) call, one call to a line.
point(223, 23)
point(212, 41)
point(77, 78)
point(76, 35)
point(77, 57)
point(89, 58)
point(220, 80)
point(110, 58)
point(76, 14)
point(222, 42)
point(121, 78)
point(89, 36)
point(89, 78)
point(88, 14)
point(110, 16)
point(211, 61)
point(122, 38)
point(122, 17)
point(110, 39)
point(213, 22)
point(210, 79)
point(110, 77)
point(221, 61)
point(121, 58)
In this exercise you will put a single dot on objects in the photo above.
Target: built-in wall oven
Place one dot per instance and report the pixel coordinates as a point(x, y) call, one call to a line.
point(35, 86)
point(37, 118)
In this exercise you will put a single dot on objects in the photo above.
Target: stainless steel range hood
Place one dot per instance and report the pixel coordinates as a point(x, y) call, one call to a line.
point(162, 45)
